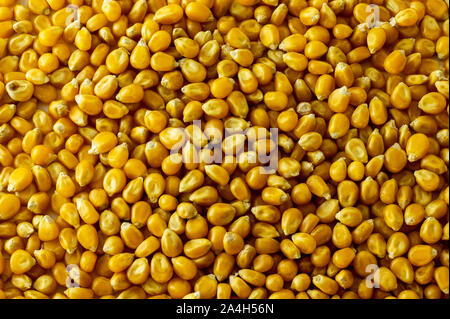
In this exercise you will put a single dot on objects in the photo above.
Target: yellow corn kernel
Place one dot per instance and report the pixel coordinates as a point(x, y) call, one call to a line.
point(395, 62)
point(140, 56)
point(19, 90)
point(65, 185)
point(19, 179)
point(21, 261)
point(112, 10)
point(169, 14)
point(87, 237)
point(420, 255)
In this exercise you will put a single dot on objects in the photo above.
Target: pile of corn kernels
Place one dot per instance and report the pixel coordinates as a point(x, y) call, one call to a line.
point(133, 135)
